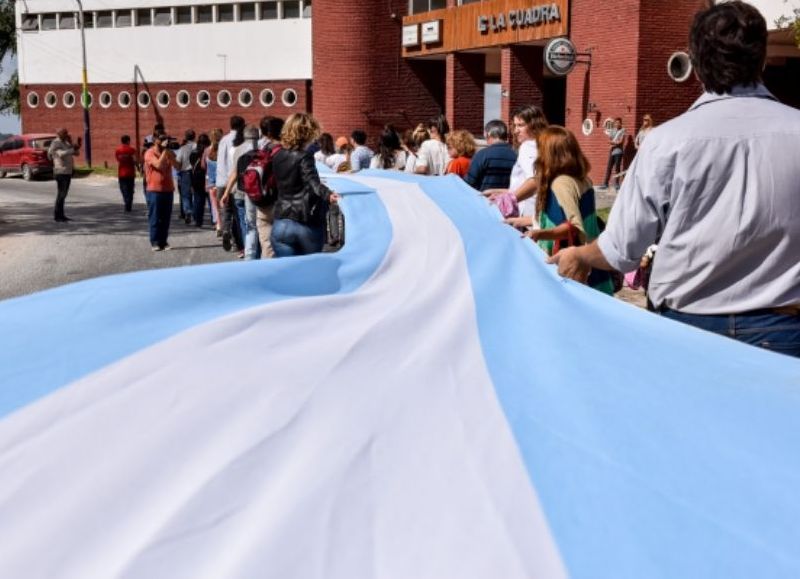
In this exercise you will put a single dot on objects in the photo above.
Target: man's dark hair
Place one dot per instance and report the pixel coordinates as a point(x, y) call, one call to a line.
point(271, 127)
point(125, 140)
point(441, 124)
point(189, 135)
point(728, 46)
point(496, 129)
point(359, 136)
point(158, 128)
point(618, 119)
point(237, 123)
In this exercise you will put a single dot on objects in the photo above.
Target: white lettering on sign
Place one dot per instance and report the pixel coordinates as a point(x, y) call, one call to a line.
point(519, 18)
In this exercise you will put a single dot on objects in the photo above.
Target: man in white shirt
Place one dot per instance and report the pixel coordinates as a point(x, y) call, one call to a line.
point(183, 158)
point(224, 165)
point(362, 155)
point(719, 189)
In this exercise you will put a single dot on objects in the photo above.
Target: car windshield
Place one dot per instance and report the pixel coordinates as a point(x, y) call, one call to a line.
point(41, 143)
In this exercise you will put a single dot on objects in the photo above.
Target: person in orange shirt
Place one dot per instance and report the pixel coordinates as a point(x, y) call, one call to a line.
point(127, 159)
point(158, 163)
point(461, 147)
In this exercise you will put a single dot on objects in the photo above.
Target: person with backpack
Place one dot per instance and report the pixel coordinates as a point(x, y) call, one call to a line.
point(302, 199)
point(270, 144)
point(198, 179)
point(234, 188)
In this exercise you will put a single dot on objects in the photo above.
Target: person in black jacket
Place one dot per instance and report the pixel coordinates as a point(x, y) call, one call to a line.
point(299, 226)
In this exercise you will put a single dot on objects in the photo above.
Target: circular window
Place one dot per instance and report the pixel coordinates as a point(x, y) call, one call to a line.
point(51, 100)
point(124, 99)
point(162, 98)
point(224, 98)
point(33, 100)
point(289, 97)
point(267, 97)
point(68, 100)
point(245, 97)
point(203, 98)
point(183, 99)
point(106, 99)
point(89, 100)
point(143, 99)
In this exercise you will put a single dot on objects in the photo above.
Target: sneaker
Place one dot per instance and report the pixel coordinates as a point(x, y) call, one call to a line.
point(156, 248)
point(241, 255)
point(166, 247)
point(219, 233)
point(188, 220)
point(226, 241)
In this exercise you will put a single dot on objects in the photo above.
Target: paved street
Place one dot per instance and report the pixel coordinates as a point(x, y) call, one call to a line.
point(38, 253)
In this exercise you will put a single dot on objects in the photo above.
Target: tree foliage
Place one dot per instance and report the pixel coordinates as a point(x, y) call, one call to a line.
point(9, 92)
point(792, 22)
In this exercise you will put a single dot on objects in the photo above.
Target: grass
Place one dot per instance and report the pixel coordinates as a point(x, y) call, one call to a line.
point(84, 171)
point(603, 213)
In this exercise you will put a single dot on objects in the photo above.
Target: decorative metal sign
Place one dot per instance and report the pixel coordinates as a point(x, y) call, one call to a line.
point(430, 32)
point(411, 35)
point(560, 56)
point(520, 18)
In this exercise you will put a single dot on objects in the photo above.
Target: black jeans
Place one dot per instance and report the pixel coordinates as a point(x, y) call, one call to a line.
point(62, 186)
point(615, 163)
point(126, 187)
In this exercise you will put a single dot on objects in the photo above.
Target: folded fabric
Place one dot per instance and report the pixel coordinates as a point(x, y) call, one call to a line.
point(507, 204)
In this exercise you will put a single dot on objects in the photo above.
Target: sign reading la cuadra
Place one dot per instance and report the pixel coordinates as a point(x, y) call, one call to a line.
point(519, 18)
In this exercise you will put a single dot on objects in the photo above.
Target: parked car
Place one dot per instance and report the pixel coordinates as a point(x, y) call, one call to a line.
point(26, 154)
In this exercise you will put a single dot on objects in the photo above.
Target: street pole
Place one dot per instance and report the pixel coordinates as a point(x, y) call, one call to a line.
point(87, 140)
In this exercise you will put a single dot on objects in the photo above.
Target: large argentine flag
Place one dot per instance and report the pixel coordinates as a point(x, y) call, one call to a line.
point(432, 401)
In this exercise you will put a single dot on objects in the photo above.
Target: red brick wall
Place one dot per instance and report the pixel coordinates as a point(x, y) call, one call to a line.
point(628, 77)
point(520, 79)
point(107, 125)
point(360, 77)
point(465, 78)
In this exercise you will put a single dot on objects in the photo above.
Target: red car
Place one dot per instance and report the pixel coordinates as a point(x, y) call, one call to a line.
point(26, 154)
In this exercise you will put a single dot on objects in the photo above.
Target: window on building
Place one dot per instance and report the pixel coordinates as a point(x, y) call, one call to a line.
point(104, 19)
point(124, 99)
point(89, 100)
point(183, 99)
point(183, 15)
point(417, 6)
point(49, 21)
point(30, 23)
point(203, 98)
point(247, 11)
point(162, 98)
point(291, 9)
point(224, 98)
point(224, 12)
point(143, 99)
point(124, 18)
point(51, 100)
point(267, 97)
point(245, 97)
point(144, 17)
point(307, 9)
point(204, 14)
point(33, 100)
point(106, 99)
point(68, 99)
point(269, 10)
point(162, 16)
point(289, 97)
point(67, 20)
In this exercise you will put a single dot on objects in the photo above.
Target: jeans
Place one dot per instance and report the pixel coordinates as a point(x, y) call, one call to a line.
point(614, 162)
point(199, 199)
point(240, 215)
point(185, 189)
point(251, 244)
point(126, 187)
point(159, 212)
point(62, 188)
point(293, 238)
point(763, 328)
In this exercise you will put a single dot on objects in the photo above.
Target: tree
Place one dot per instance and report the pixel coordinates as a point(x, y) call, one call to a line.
point(9, 92)
point(792, 22)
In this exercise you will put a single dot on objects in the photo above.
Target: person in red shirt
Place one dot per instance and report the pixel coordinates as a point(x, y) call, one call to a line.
point(159, 161)
point(461, 147)
point(127, 159)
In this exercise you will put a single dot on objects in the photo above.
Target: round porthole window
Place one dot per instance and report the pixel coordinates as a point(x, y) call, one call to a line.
point(68, 99)
point(33, 100)
point(289, 97)
point(143, 99)
point(106, 99)
point(245, 97)
point(183, 99)
point(124, 99)
point(162, 98)
point(89, 100)
point(203, 98)
point(224, 98)
point(51, 100)
point(267, 97)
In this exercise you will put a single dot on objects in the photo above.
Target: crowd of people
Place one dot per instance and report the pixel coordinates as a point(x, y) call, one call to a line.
point(716, 228)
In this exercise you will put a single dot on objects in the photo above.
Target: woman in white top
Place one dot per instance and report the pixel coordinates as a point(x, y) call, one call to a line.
point(326, 148)
point(432, 157)
point(647, 125)
point(412, 140)
point(390, 153)
point(528, 122)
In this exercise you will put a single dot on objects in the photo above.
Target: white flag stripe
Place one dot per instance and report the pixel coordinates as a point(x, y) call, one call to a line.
point(343, 436)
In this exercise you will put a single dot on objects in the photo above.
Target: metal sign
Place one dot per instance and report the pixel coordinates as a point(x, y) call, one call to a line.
point(560, 56)
point(411, 35)
point(587, 127)
point(430, 32)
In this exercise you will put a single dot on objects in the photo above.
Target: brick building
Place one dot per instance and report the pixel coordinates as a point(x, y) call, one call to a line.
point(194, 63)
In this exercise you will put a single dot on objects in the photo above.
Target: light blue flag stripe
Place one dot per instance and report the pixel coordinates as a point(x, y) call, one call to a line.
point(84, 326)
point(657, 450)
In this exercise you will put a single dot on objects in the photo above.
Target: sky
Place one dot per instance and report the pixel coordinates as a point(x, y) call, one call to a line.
point(8, 123)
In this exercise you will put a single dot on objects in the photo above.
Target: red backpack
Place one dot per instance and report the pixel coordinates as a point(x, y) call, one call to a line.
point(258, 180)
